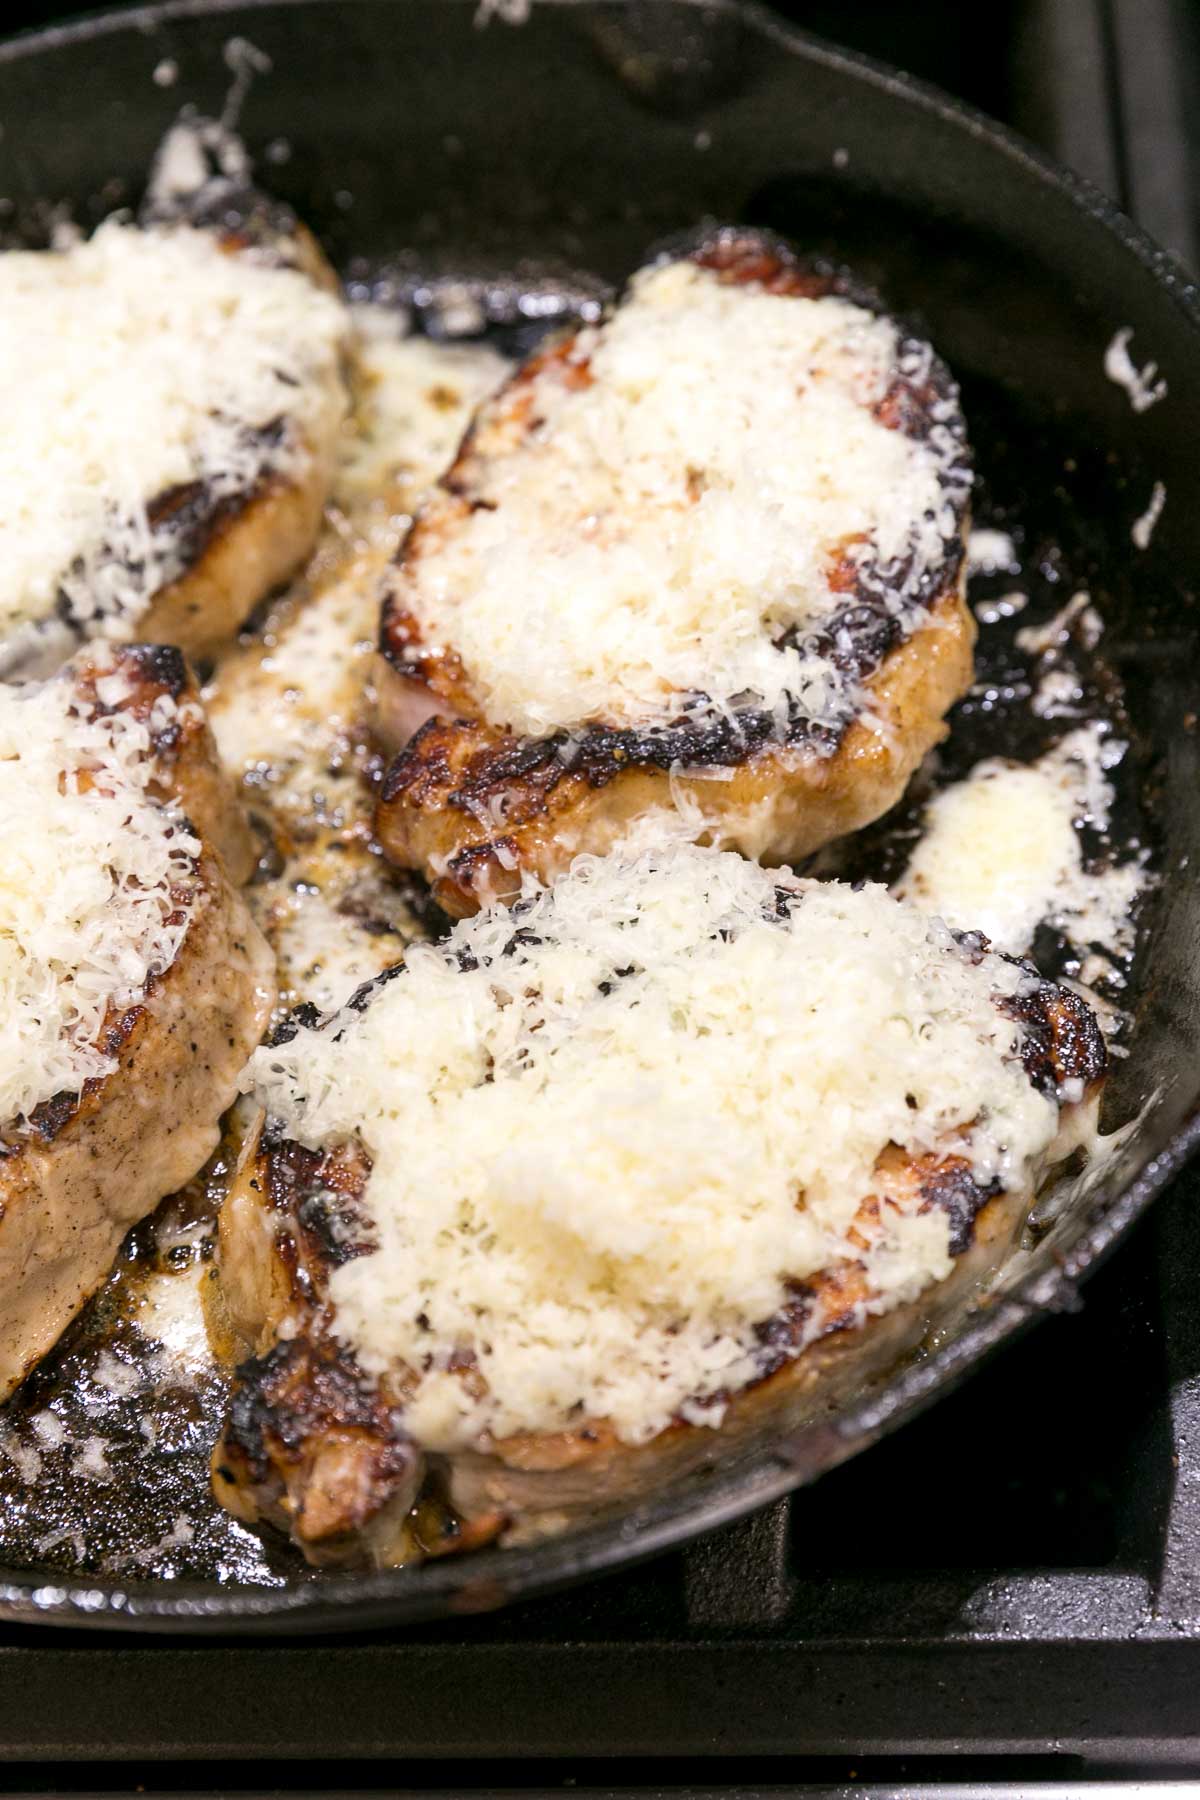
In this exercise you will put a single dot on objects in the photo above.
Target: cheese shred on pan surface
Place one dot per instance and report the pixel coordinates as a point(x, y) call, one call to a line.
point(130, 365)
point(95, 886)
point(608, 1128)
point(670, 529)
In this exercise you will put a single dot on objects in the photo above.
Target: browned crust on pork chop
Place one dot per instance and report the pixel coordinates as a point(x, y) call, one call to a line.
point(83, 1169)
point(238, 549)
point(307, 1440)
point(473, 804)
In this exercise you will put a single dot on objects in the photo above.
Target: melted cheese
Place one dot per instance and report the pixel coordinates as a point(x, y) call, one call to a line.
point(281, 706)
point(607, 1129)
point(288, 708)
point(414, 401)
point(170, 1310)
point(662, 528)
point(95, 885)
point(287, 715)
point(1002, 854)
point(130, 365)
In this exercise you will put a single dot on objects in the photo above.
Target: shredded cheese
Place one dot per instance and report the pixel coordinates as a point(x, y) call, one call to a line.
point(670, 529)
point(608, 1128)
point(989, 551)
point(1144, 386)
point(1142, 529)
point(133, 364)
point(95, 886)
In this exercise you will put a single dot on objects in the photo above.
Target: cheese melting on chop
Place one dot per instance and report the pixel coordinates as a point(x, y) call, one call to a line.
point(660, 531)
point(132, 364)
point(95, 885)
point(607, 1128)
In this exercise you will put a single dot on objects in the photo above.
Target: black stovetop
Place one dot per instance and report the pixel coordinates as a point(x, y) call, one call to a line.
point(1014, 1579)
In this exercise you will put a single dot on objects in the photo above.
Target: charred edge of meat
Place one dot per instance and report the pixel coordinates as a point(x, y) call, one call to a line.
point(194, 514)
point(334, 1228)
point(292, 1170)
point(154, 670)
point(857, 640)
point(365, 993)
point(951, 1187)
point(1062, 1036)
point(289, 1404)
point(160, 665)
point(50, 1118)
point(597, 755)
point(321, 1192)
point(189, 517)
point(307, 1017)
point(839, 1291)
point(303, 1017)
point(477, 860)
point(784, 1334)
point(754, 253)
point(1062, 1040)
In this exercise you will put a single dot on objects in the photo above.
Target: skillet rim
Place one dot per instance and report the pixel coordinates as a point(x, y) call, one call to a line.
point(490, 1578)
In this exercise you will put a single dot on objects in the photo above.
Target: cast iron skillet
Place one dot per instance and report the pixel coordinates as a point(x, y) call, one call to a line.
point(570, 142)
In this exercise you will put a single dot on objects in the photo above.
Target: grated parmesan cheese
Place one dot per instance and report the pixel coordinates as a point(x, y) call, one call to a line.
point(1142, 529)
point(1144, 386)
point(94, 887)
point(669, 531)
point(989, 551)
point(132, 364)
point(590, 1121)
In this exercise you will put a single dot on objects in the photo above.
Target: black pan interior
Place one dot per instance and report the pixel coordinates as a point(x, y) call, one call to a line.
point(425, 142)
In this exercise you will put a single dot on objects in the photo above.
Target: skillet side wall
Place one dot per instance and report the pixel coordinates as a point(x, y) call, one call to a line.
point(413, 134)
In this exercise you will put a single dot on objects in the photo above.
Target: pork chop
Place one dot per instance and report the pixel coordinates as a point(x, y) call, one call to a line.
point(173, 397)
point(570, 1312)
point(135, 982)
point(707, 556)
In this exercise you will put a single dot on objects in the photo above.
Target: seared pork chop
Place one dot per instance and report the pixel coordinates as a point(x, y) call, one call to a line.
point(173, 398)
point(135, 983)
point(705, 556)
point(472, 1256)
